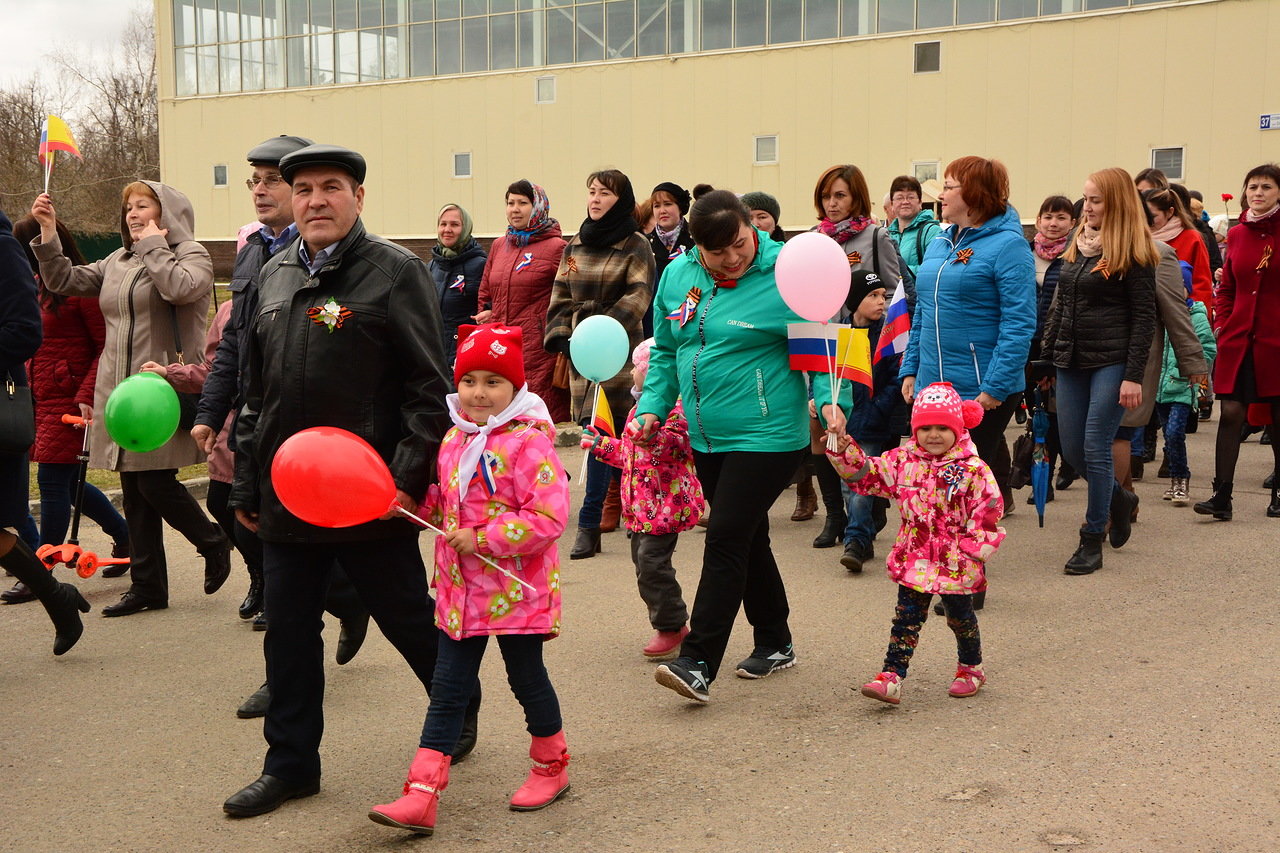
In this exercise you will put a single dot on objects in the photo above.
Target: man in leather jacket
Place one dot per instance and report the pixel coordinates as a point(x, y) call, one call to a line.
point(375, 368)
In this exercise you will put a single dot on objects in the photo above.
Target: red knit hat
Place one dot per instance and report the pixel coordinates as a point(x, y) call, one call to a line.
point(940, 405)
point(493, 347)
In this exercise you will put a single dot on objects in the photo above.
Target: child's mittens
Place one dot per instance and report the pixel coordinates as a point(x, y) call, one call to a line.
point(590, 438)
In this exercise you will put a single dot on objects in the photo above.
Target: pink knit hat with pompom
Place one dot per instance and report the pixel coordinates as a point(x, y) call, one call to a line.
point(940, 405)
point(640, 356)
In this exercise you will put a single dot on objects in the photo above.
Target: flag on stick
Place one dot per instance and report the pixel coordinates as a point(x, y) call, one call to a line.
point(897, 327)
point(55, 136)
point(602, 417)
point(853, 356)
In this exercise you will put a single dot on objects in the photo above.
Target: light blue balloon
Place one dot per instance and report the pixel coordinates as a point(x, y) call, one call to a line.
point(599, 347)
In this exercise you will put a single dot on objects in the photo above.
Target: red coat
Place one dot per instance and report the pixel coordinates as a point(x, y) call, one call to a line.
point(1248, 307)
point(1189, 247)
point(517, 287)
point(62, 374)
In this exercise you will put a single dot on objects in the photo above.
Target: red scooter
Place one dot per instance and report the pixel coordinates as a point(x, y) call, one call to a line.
point(86, 563)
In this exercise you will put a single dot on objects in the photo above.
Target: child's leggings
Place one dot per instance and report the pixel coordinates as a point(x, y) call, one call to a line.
point(1173, 416)
point(458, 671)
point(909, 617)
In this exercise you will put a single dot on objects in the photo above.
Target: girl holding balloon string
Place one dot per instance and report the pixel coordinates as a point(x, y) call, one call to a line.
point(502, 502)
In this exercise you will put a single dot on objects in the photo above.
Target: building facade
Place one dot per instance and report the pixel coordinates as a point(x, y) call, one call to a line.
point(452, 100)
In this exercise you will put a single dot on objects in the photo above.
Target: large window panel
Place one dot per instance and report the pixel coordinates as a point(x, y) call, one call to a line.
point(651, 40)
point(184, 67)
point(229, 67)
point(821, 19)
point(422, 48)
point(348, 57)
point(1106, 4)
point(295, 17)
point(749, 23)
point(207, 62)
point(529, 34)
point(272, 27)
point(297, 64)
point(784, 21)
point(228, 20)
point(184, 23)
point(590, 35)
point(935, 13)
point(346, 15)
point(370, 14)
point(559, 36)
point(394, 56)
point(448, 47)
point(322, 14)
point(322, 69)
point(475, 7)
point(391, 12)
point(683, 18)
point(475, 44)
point(252, 77)
point(497, 6)
point(251, 19)
point(1012, 9)
point(620, 21)
point(975, 11)
point(206, 21)
point(857, 17)
point(717, 24)
point(371, 54)
point(273, 64)
point(422, 10)
point(502, 41)
point(448, 9)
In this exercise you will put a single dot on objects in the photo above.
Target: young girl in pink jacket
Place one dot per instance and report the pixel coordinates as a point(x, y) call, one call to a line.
point(661, 498)
point(950, 505)
point(501, 501)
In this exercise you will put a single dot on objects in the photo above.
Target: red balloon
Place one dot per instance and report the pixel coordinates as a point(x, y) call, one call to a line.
point(330, 477)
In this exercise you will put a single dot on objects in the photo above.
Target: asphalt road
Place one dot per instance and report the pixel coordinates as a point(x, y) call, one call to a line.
point(1130, 710)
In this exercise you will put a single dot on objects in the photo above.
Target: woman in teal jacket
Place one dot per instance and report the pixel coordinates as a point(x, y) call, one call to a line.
point(721, 345)
point(976, 306)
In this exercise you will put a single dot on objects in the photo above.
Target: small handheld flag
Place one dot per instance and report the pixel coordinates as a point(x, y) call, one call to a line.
point(55, 136)
point(853, 356)
point(602, 416)
point(897, 327)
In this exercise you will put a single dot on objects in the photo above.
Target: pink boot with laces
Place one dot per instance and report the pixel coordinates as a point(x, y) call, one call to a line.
point(416, 810)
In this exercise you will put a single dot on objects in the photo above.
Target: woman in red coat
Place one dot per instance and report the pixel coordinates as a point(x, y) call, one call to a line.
point(1247, 323)
point(516, 287)
point(1171, 223)
point(62, 374)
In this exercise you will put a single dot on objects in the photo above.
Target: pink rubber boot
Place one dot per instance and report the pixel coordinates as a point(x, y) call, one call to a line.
point(416, 810)
point(548, 780)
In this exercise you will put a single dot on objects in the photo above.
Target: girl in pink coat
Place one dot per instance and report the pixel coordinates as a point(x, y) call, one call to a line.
point(661, 498)
point(502, 500)
point(950, 505)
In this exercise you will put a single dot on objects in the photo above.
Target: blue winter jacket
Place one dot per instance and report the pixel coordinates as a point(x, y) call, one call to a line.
point(975, 310)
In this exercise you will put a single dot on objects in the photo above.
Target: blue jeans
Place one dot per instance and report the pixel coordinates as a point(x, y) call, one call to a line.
point(1173, 417)
point(458, 672)
point(599, 476)
point(1089, 413)
point(57, 481)
point(861, 526)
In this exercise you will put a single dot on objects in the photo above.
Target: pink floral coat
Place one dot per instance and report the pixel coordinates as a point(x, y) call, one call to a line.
point(517, 527)
point(660, 490)
point(950, 505)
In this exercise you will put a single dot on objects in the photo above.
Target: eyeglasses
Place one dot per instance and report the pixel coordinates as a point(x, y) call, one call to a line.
point(272, 181)
point(951, 187)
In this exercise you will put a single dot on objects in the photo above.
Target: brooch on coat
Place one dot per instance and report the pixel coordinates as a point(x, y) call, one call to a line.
point(855, 257)
point(953, 476)
point(963, 256)
point(686, 309)
point(332, 315)
point(525, 260)
point(459, 283)
point(570, 263)
point(1266, 259)
point(1103, 268)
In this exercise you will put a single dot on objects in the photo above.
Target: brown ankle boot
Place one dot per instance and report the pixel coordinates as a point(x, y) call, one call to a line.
point(612, 511)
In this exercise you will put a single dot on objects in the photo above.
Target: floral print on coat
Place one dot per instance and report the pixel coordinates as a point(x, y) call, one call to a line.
point(661, 493)
point(518, 527)
point(950, 505)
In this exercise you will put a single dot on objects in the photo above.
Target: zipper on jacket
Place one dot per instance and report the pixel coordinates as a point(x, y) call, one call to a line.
point(973, 352)
point(693, 372)
point(937, 327)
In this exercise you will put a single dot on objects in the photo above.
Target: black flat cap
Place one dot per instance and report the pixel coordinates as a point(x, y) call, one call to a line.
point(270, 152)
point(323, 155)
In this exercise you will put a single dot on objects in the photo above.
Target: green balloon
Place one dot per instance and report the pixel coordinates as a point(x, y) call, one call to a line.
point(142, 413)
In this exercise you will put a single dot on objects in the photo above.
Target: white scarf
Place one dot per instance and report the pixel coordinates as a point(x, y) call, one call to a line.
point(525, 402)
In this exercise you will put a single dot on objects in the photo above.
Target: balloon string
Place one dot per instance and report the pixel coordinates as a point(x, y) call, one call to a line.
point(429, 526)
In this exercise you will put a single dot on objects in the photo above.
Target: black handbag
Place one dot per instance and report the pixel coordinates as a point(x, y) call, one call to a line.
point(1022, 458)
point(17, 418)
point(188, 404)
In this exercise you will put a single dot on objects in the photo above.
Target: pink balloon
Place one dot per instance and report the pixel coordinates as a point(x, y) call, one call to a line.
point(813, 276)
point(330, 477)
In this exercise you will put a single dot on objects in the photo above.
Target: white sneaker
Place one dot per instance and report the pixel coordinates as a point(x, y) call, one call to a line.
point(1179, 490)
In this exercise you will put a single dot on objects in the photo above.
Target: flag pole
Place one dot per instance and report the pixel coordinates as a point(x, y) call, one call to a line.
point(582, 474)
point(48, 169)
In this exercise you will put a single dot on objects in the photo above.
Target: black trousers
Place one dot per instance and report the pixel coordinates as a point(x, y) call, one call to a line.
point(245, 540)
point(152, 498)
point(391, 581)
point(988, 437)
point(738, 568)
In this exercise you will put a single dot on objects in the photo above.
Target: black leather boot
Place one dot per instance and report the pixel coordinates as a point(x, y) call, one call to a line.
point(587, 544)
point(62, 601)
point(1219, 505)
point(832, 531)
point(252, 604)
point(1123, 504)
point(470, 729)
point(1088, 557)
point(1273, 509)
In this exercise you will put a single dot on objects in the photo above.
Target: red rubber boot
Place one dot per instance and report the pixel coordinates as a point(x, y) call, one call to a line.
point(416, 810)
point(548, 780)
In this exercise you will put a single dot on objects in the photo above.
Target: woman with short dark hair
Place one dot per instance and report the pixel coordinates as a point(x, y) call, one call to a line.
point(913, 226)
point(669, 238)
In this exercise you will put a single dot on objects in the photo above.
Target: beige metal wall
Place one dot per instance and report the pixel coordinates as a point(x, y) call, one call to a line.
point(1054, 99)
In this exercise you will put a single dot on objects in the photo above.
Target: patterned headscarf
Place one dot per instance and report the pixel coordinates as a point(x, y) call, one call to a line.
point(540, 221)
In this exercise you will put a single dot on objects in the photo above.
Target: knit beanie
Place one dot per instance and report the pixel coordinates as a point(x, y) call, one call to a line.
point(677, 192)
point(861, 283)
point(493, 347)
point(763, 201)
point(640, 358)
point(940, 405)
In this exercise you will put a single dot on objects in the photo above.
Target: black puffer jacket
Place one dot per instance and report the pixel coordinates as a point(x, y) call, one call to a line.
point(458, 288)
point(381, 375)
point(1099, 320)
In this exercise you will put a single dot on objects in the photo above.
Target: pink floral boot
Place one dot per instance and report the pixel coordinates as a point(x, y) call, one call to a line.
point(548, 780)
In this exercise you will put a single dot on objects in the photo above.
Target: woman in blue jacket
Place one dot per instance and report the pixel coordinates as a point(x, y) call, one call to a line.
point(975, 309)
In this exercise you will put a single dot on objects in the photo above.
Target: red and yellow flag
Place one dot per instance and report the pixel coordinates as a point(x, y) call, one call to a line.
point(853, 356)
point(56, 136)
point(602, 419)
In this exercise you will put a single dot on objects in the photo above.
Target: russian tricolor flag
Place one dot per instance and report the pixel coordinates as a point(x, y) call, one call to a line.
point(829, 348)
point(897, 327)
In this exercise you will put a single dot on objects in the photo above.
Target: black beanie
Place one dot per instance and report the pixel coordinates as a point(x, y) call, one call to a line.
point(861, 283)
point(677, 192)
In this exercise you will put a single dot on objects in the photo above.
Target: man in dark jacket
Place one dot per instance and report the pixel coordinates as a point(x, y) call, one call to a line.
point(224, 392)
point(380, 374)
